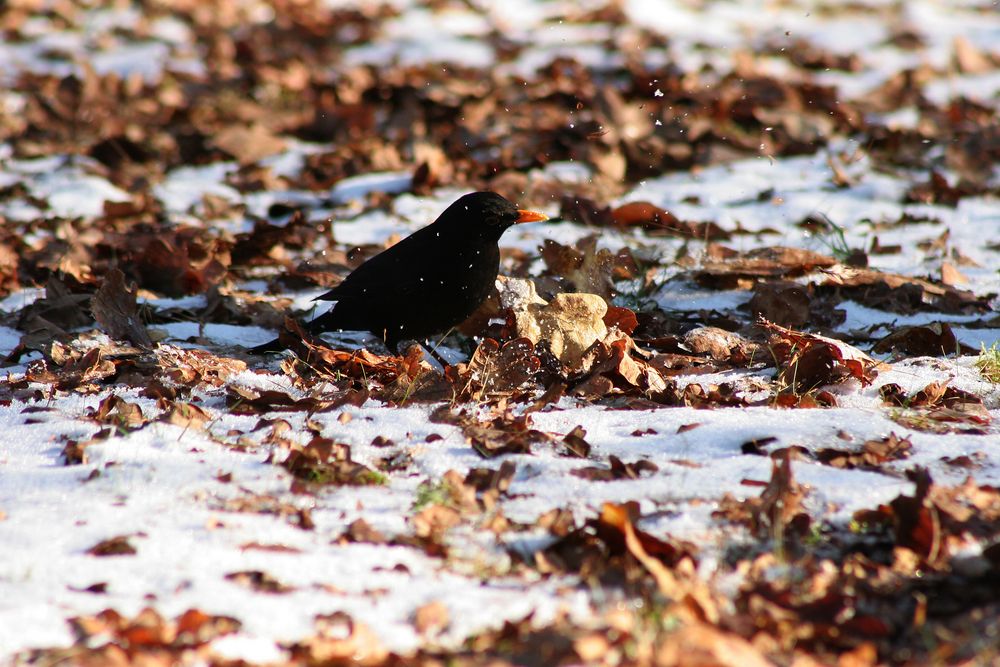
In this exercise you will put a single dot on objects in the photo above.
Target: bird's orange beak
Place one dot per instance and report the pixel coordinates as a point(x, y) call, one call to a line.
point(529, 216)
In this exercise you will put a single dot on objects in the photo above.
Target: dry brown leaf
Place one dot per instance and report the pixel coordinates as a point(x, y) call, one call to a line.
point(808, 361)
point(114, 308)
point(780, 507)
point(950, 275)
point(783, 303)
point(970, 60)
point(340, 640)
point(258, 581)
point(431, 618)
point(927, 340)
point(873, 453)
point(721, 345)
point(588, 269)
point(249, 144)
point(495, 370)
point(113, 546)
point(769, 262)
point(185, 415)
point(435, 520)
point(705, 644)
point(118, 412)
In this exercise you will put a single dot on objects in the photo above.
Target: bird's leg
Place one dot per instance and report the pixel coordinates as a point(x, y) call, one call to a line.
point(433, 350)
point(403, 348)
point(426, 344)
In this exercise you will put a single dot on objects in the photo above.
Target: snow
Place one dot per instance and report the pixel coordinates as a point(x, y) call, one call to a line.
point(169, 503)
point(8, 339)
point(185, 187)
point(220, 334)
point(357, 187)
point(17, 300)
point(72, 195)
point(162, 487)
point(69, 184)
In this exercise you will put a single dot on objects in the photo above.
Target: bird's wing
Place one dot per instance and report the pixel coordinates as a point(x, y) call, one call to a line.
point(392, 269)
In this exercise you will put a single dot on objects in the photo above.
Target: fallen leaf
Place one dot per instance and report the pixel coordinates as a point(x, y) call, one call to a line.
point(258, 581)
point(114, 308)
point(249, 144)
point(807, 361)
point(113, 546)
point(431, 618)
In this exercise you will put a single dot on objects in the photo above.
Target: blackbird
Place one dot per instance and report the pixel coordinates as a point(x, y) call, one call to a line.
point(428, 282)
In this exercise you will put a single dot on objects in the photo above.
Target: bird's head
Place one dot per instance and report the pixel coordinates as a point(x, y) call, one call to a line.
point(488, 213)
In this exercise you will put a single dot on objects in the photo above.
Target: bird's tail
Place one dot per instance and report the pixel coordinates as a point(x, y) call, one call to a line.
point(292, 332)
point(274, 345)
point(325, 322)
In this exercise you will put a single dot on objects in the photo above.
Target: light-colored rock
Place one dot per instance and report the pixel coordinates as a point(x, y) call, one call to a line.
point(519, 295)
point(717, 343)
point(571, 323)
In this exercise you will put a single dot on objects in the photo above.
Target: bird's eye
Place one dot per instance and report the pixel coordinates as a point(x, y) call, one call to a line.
point(492, 220)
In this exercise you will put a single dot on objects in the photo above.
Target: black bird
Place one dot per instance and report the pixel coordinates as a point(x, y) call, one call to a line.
point(428, 282)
